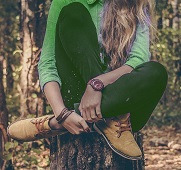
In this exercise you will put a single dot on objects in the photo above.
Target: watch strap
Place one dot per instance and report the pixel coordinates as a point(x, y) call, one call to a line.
point(92, 83)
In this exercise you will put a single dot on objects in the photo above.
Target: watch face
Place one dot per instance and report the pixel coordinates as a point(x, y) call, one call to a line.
point(97, 84)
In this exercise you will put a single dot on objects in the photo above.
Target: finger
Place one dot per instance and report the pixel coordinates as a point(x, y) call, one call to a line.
point(88, 115)
point(84, 125)
point(80, 109)
point(83, 114)
point(79, 131)
point(93, 115)
point(98, 112)
point(71, 130)
point(76, 129)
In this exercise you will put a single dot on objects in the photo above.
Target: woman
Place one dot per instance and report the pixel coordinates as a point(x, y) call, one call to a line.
point(96, 53)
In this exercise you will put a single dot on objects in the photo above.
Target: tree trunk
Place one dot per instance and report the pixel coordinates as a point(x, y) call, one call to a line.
point(3, 117)
point(89, 152)
point(32, 33)
point(8, 40)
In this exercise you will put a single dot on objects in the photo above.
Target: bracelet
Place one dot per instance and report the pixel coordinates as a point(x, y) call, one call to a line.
point(63, 115)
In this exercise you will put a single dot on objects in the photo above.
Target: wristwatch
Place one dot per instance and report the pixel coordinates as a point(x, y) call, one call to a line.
point(96, 84)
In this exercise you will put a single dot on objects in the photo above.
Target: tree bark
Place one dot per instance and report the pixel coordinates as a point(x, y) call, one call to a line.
point(8, 40)
point(89, 152)
point(32, 33)
point(3, 117)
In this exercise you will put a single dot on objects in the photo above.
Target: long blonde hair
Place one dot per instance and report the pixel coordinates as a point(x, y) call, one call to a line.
point(119, 23)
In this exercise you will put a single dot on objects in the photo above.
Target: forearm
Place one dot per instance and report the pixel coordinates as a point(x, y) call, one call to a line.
point(112, 76)
point(54, 97)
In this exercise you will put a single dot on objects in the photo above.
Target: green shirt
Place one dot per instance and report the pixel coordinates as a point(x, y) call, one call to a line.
point(46, 66)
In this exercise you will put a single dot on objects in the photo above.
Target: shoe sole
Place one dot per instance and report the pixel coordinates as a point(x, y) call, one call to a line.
point(113, 148)
point(22, 141)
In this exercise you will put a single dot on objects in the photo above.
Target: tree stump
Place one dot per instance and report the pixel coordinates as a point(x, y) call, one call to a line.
point(89, 152)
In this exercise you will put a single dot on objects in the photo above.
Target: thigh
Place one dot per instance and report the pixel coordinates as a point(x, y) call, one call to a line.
point(77, 52)
point(78, 36)
point(143, 86)
point(73, 86)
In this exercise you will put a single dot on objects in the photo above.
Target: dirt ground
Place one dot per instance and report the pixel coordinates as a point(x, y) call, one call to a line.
point(162, 146)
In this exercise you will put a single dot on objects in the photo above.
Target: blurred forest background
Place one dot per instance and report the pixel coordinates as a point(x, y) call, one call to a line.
point(22, 28)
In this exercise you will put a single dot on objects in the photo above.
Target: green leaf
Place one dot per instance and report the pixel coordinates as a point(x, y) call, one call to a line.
point(8, 156)
point(8, 146)
point(34, 95)
point(25, 146)
point(15, 143)
point(36, 150)
point(17, 51)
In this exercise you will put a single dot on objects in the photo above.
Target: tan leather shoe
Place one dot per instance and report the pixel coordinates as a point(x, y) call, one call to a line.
point(118, 134)
point(33, 129)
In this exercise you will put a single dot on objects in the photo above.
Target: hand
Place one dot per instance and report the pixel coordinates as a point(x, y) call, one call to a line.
point(90, 105)
point(75, 124)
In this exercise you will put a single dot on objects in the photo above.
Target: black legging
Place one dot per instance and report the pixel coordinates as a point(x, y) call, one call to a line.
point(78, 60)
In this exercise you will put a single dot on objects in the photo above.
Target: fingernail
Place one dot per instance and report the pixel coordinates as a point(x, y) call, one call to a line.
point(88, 130)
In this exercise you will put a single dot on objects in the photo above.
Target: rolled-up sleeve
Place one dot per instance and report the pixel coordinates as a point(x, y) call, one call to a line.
point(139, 52)
point(47, 65)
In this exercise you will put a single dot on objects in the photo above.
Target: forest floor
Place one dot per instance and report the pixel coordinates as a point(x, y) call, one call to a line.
point(162, 146)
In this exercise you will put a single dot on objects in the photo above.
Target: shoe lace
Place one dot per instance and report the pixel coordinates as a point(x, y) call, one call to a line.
point(39, 124)
point(123, 125)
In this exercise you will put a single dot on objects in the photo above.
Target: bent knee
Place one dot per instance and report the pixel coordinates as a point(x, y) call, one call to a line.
point(159, 70)
point(155, 70)
point(75, 12)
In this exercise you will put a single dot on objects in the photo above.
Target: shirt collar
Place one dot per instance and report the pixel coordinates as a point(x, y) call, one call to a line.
point(91, 1)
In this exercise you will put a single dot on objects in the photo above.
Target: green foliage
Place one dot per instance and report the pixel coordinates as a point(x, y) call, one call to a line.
point(35, 154)
point(161, 5)
point(168, 52)
point(28, 155)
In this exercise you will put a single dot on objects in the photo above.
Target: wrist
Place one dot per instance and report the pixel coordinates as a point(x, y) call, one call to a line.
point(103, 79)
point(63, 115)
point(58, 110)
point(112, 76)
